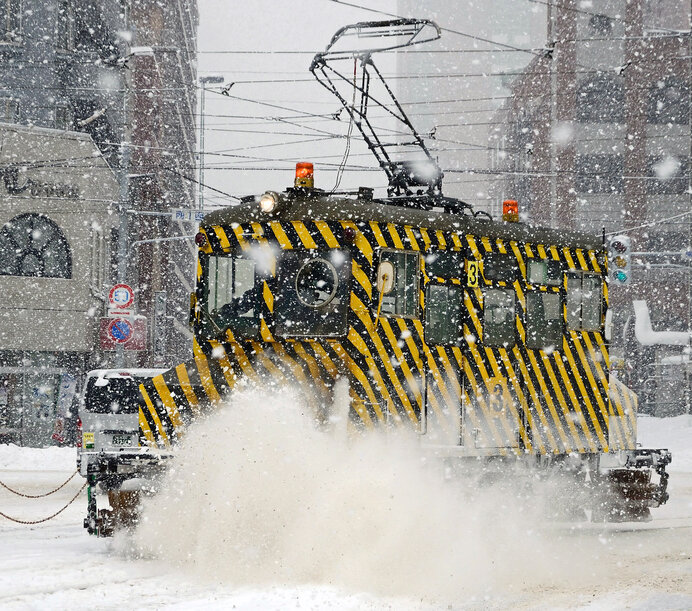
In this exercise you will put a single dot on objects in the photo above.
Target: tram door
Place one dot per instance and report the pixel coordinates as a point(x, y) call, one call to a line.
point(444, 296)
point(495, 408)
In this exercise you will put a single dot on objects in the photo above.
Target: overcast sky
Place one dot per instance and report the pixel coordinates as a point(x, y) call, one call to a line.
point(292, 32)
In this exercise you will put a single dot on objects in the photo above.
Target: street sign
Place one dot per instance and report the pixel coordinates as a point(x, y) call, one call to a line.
point(138, 334)
point(187, 214)
point(114, 312)
point(121, 296)
point(120, 330)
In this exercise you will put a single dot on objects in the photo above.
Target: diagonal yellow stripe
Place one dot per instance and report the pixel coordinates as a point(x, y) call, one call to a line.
point(281, 236)
point(219, 353)
point(238, 231)
point(268, 297)
point(168, 403)
point(221, 236)
point(155, 417)
point(589, 408)
point(204, 373)
point(304, 234)
point(327, 234)
point(144, 427)
point(184, 381)
point(395, 236)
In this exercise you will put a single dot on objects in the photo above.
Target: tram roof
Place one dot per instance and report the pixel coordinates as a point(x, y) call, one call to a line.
point(323, 207)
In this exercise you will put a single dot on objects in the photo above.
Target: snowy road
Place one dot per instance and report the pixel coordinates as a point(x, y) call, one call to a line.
point(55, 565)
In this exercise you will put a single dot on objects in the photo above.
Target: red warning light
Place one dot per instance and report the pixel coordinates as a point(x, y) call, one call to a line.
point(305, 175)
point(510, 210)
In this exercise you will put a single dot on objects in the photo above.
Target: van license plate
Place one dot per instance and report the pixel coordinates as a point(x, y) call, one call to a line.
point(122, 440)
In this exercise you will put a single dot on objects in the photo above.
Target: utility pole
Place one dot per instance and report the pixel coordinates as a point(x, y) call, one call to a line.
point(204, 80)
point(125, 163)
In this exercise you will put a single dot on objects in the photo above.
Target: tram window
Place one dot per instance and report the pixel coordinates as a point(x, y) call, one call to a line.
point(543, 323)
point(231, 295)
point(584, 295)
point(402, 300)
point(443, 314)
point(444, 264)
point(498, 318)
point(312, 295)
point(542, 271)
point(500, 267)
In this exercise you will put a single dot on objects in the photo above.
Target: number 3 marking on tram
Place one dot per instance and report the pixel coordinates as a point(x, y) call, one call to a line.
point(472, 277)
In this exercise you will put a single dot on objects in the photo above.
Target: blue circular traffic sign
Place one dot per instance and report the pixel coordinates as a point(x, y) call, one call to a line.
point(120, 330)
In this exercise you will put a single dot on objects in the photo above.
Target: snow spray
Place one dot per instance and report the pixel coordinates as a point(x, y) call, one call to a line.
point(260, 495)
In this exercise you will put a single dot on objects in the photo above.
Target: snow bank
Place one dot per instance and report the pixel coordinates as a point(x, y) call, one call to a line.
point(17, 458)
point(672, 433)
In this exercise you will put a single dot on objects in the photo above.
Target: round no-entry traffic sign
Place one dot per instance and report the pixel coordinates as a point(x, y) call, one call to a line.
point(120, 330)
point(121, 296)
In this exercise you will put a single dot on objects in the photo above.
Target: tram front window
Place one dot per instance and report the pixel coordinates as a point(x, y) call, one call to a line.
point(231, 297)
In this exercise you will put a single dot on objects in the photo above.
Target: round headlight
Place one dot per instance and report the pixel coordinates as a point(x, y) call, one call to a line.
point(268, 202)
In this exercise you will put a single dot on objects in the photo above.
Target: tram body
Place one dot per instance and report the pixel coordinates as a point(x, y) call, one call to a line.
point(488, 338)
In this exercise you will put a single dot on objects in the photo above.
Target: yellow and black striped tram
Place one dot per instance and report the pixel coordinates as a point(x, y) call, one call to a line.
point(488, 338)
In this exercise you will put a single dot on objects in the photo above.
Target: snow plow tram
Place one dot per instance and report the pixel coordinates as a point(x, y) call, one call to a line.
point(487, 337)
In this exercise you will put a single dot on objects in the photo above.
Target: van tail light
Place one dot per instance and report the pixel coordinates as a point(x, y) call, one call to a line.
point(79, 432)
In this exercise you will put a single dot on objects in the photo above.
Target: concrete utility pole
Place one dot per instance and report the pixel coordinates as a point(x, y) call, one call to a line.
point(204, 80)
point(125, 163)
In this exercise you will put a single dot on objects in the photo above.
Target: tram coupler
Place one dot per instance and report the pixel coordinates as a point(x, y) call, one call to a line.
point(628, 491)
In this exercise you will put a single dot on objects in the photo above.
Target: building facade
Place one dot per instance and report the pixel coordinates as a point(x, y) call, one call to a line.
point(596, 136)
point(55, 222)
point(463, 80)
point(123, 73)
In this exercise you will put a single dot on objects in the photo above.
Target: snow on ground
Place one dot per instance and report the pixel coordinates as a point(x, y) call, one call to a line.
point(300, 520)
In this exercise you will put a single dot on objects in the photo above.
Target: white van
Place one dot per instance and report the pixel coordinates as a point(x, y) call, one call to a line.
point(109, 413)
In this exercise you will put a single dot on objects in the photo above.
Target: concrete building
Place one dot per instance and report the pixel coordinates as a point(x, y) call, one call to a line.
point(596, 136)
point(463, 81)
point(124, 74)
point(55, 224)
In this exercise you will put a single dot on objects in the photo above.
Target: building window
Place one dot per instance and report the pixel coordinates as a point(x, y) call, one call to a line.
point(498, 318)
point(584, 297)
point(10, 20)
point(669, 102)
point(601, 99)
point(443, 314)
point(9, 109)
point(402, 300)
point(33, 245)
point(599, 174)
point(669, 176)
point(64, 38)
point(602, 24)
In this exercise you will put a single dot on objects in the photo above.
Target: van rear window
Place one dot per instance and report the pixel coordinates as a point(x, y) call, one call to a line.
point(119, 396)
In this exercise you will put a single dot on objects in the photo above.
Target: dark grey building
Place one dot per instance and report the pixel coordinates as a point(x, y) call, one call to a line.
point(123, 72)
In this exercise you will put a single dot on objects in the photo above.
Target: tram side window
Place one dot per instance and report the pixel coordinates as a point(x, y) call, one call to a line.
point(584, 296)
point(443, 314)
point(500, 267)
point(545, 272)
point(444, 264)
point(402, 300)
point(231, 294)
point(498, 318)
point(543, 323)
